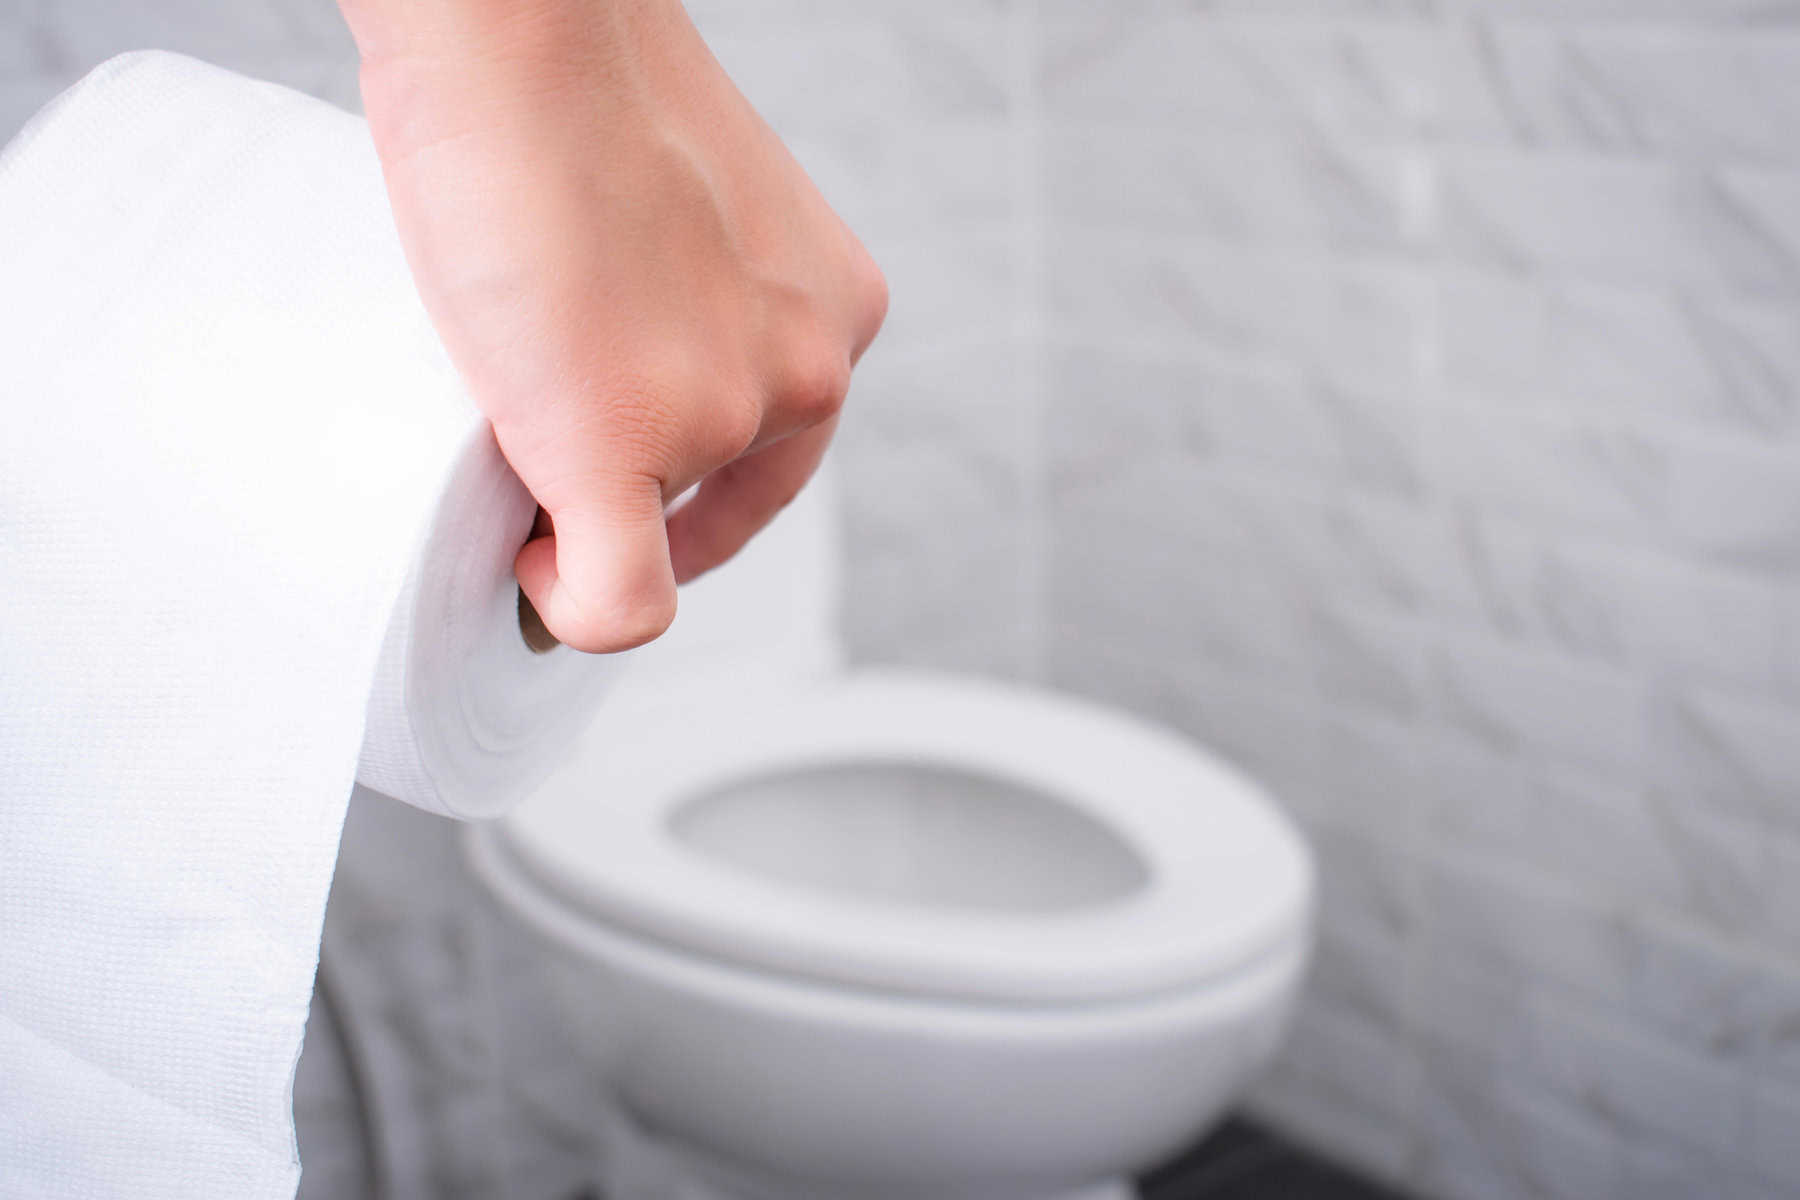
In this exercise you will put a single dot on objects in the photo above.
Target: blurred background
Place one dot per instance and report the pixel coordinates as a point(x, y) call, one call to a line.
point(1402, 398)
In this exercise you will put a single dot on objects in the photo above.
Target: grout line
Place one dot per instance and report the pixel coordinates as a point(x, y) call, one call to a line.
point(1424, 224)
point(1028, 336)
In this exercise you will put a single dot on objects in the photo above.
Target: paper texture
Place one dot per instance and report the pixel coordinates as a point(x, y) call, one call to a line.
point(255, 546)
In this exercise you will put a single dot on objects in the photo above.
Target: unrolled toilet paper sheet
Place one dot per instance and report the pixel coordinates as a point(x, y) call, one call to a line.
point(257, 546)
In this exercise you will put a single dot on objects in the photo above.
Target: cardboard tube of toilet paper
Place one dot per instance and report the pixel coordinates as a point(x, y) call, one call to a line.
point(257, 547)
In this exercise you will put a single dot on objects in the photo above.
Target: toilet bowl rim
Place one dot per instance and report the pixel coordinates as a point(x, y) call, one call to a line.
point(1229, 877)
point(1258, 982)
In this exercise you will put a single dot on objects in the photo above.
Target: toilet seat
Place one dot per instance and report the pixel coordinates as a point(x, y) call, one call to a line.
point(1228, 881)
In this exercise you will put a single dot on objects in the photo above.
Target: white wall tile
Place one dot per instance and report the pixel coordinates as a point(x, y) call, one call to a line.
point(1491, 332)
point(949, 292)
point(1318, 541)
point(1512, 578)
point(1570, 216)
point(1467, 1012)
point(1363, 970)
point(1622, 221)
point(1333, 1123)
point(1666, 617)
point(317, 27)
point(1376, 550)
point(1355, 323)
point(1105, 413)
point(20, 97)
point(79, 34)
point(1308, 190)
point(1366, 883)
point(1372, 327)
point(21, 37)
point(1653, 1168)
point(1651, 87)
point(1559, 473)
point(1636, 1082)
point(331, 78)
point(716, 16)
point(1372, 771)
point(1363, 1064)
point(1259, 725)
point(1774, 1148)
point(1174, 505)
point(1643, 353)
point(1725, 1001)
point(1737, 504)
point(1507, 922)
point(1783, 888)
point(936, 529)
point(1233, 303)
point(1265, 728)
point(1787, 655)
point(1239, 618)
point(929, 177)
point(1464, 1151)
point(1274, 419)
point(1166, 71)
point(1063, 9)
point(1732, 753)
point(1363, 78)
point(1695, 622)
point(1558, 1150)
point(1689, 14)
point(1744, 217)
point(1478, 797)
point(1540, 704)
point(806, 77)
point(1364, 660)
point(1729, 869)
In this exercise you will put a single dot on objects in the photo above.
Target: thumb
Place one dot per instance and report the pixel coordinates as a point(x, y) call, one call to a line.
point(601, 582)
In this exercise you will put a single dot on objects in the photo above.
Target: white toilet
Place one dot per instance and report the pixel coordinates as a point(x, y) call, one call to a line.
point(834, 935)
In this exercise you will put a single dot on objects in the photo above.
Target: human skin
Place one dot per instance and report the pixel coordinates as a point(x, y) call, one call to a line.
point(641, 288)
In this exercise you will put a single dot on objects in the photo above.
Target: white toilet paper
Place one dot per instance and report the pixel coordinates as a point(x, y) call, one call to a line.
point(255, 545)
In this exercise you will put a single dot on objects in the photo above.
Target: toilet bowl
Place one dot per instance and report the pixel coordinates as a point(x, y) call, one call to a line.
point(856, 935)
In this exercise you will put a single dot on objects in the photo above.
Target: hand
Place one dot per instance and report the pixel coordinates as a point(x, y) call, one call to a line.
point(640, 286)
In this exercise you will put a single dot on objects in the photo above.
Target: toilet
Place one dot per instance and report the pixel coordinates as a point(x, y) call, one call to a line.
point(830, 934)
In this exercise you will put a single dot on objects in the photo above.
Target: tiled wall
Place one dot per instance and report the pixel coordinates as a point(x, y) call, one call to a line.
point(1424, 416)
point(1403, 397)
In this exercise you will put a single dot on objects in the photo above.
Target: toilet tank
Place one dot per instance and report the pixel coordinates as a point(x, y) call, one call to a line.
point(766, 619)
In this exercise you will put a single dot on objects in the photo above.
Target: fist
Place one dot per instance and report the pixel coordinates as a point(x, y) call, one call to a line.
point(641, 288)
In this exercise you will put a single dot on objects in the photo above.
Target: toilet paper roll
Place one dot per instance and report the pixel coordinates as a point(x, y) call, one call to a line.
point(257, 545)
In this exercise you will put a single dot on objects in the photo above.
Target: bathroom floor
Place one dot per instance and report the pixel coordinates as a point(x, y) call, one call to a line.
point(1244, 1161)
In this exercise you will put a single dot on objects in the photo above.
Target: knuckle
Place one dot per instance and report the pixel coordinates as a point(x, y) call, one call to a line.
point(789, 494)
point(818, 381)
point(873, 288)
point(736, 424)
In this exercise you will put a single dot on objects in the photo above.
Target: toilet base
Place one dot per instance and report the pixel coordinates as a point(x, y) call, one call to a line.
point(637, 1165)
